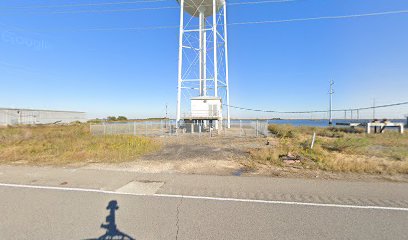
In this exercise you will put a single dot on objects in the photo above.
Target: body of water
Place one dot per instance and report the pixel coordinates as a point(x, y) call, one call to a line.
point(323, 122)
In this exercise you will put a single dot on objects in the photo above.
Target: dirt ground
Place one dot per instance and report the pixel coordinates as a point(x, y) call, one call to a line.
point(194, 155)
point(224, 156)
point(203, 149)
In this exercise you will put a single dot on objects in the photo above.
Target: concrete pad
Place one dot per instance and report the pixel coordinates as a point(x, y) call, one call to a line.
point(145, 187)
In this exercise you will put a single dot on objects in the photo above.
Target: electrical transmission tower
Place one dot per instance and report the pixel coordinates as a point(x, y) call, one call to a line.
point(203, 87)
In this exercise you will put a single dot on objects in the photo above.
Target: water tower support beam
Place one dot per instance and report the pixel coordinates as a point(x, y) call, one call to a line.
point(215, 33)
point(205, 58)
point(203, 54)
point(226, 65)
point(180, 63)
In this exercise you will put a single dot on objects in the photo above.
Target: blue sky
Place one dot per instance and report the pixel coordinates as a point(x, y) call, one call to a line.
point(50, 59)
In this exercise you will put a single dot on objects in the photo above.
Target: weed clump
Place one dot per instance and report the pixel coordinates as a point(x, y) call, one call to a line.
point(346, 144)
point(338, 149)
point(283, 131)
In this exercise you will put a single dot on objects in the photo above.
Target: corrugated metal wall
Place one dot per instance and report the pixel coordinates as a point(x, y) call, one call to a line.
point(31, 116)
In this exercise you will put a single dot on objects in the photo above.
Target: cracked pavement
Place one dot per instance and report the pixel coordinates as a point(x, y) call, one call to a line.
point(71, 204)
point(178, 218)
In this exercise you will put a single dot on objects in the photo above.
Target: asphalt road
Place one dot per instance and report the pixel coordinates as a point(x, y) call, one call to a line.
point(152, 209)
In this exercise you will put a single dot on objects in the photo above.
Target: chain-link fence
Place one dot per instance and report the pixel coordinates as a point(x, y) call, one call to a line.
point(239, 128)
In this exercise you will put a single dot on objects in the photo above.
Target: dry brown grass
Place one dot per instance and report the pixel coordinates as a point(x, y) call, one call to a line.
point(61, 145)
point(338, 149)
point(364, 164)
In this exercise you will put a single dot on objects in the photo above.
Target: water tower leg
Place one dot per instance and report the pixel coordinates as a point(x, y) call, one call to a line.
point(215, 33)
point(226, 65)
point(180, 63)
point(201, 53)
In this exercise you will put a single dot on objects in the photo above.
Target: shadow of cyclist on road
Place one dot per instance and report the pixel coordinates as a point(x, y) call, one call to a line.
point(112, 231)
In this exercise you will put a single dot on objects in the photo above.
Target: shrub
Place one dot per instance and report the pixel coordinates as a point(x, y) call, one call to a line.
point(283, 131)
point(346, 144)
point(121, 118)
point(346, 129)
point(111, 118)
point(95, 121)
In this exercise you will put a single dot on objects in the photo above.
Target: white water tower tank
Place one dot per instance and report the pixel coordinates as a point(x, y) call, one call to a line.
point(194, 7)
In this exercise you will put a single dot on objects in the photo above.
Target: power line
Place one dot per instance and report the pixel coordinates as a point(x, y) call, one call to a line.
point(128, 9)
point(260, 2)
point(262, 22)
point(242, 23)
point(130, 28)
point(272, 111)
point(83, 5)
point(378, 106)
point(116, 10)
point(128, 3)
point(323, 18)
point(319, 111)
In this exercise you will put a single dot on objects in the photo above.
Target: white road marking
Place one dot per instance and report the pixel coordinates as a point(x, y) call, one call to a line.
point(205, 198)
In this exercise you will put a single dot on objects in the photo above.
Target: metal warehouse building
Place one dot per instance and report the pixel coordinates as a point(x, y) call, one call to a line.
point(11, 116)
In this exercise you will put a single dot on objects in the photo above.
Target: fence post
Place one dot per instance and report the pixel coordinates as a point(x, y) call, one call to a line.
point(134, 128)
point(145, 128)
point(313, 140)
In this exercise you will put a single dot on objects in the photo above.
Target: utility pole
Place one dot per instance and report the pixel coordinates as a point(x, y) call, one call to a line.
point(331, 102)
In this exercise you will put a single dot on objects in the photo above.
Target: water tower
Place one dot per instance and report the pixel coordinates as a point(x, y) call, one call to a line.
point(203, 91)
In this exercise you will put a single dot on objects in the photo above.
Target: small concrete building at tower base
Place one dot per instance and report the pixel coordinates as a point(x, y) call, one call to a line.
point(206, 109)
